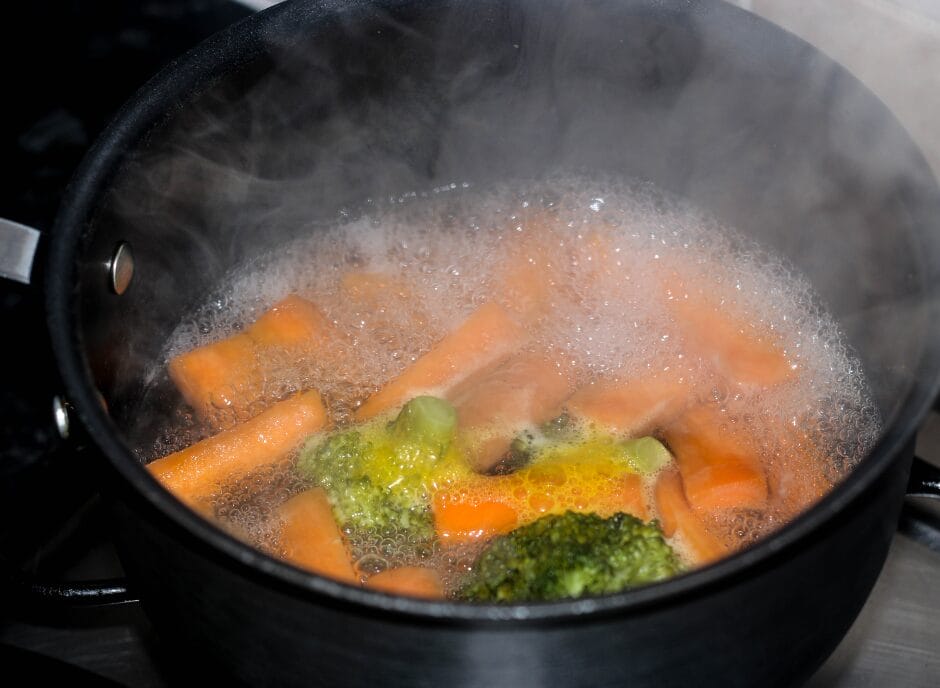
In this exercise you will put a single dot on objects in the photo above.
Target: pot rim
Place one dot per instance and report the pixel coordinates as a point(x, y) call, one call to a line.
point(212, 59)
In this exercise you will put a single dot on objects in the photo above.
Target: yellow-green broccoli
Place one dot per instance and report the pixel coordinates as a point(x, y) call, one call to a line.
point(563, 436)
point(377, 475)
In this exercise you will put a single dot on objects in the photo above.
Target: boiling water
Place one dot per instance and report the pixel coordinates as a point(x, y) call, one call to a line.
point(606, 246)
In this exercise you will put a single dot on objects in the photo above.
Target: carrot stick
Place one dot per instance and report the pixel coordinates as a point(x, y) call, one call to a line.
point(291, 322)
point(387, 302)
point(719, 469)
point(526, 279)
point(218, 376)
point(633, 407)
point(670, 501)
point(483, 506)
point(372, 288)
point(463, 520)
point(677, 517)
point(413, 581)
point(230, 374)
point(739, 351)
point(795, 475)
point(495, 405)
point(196, 472)
point(310, 538)
point(487, 336)
point(598, 256)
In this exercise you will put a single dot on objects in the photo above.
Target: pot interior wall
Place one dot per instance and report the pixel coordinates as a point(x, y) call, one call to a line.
point(322, 111)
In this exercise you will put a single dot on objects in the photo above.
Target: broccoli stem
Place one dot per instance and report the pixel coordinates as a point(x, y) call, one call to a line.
point(645, 454)
point(427, 421)
point(377, 474)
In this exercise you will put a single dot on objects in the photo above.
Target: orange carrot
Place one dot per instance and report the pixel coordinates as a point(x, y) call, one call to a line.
point(230, 374)
point(413, 581)
point(290, 323)
point(218, 376)
point(677, 517)
point(719, 469)
point(633, 407)
point(670, 501)
point(630, 498)
point(387, 302)
point(200, 470)
point(795, 476)
point(495, 405)
point(457, 520)
point(373, 288)
point(597, 256)
point(483, 339)
point(525, 280)
point(740, 352)
point(310, 538)
point(483, 506)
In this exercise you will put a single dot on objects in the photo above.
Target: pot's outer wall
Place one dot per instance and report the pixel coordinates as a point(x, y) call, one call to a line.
point(772, 627)
point(704, 100)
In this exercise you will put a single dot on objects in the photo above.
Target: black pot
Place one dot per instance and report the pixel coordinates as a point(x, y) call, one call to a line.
point(705, 100)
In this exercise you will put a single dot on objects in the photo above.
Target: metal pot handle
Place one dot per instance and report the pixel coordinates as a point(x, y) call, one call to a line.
point(18, 244)
point(917, 522)
point(31, 593)
point(18, 247)
point(93, 593)
point(924, 480)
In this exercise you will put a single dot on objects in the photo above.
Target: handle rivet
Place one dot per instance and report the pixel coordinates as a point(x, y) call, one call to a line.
point(60, 414)
point(121, 269)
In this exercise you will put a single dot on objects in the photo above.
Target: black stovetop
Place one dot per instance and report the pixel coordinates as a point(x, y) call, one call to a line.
point(78, 62)
point(68, 67)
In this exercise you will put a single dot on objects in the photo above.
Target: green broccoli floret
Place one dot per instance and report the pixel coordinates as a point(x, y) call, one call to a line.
point(377, 475)
point(570, 555)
